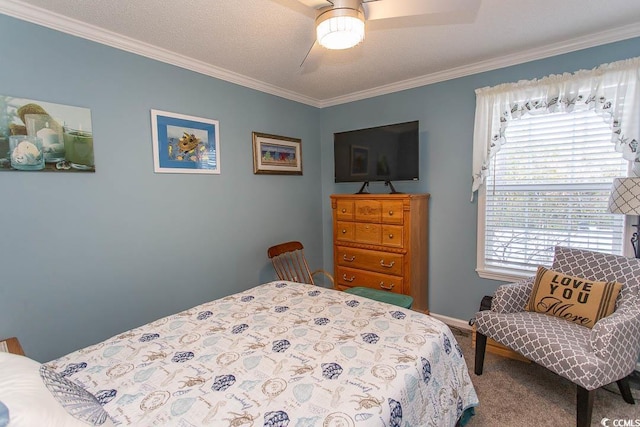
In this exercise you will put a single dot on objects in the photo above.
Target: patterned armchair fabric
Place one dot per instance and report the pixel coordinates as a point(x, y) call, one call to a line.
point(589, 358)
point(513, 297)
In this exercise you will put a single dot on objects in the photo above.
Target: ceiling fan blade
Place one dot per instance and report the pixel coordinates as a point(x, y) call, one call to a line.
point(315, 4)
point(383, 9)
point(312, 60)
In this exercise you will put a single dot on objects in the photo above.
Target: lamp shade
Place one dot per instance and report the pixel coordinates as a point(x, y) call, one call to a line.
point(625, 196)
point(340, 26)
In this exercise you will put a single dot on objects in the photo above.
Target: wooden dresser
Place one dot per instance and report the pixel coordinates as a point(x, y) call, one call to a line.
point(380, 241)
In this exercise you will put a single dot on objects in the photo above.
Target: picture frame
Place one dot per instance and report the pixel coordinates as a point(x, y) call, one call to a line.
point(277, 155)
point(185, 144)
point(42, 136)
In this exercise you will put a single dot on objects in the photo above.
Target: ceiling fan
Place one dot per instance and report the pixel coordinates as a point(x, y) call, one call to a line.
point(340, 24)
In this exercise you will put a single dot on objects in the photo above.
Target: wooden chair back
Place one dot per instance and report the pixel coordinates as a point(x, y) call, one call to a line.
point(290, 264)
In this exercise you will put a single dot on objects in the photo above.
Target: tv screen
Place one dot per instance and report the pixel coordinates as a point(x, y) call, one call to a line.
point(383, 153)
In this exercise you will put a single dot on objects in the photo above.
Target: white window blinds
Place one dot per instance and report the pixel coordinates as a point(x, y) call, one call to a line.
point(549, 185)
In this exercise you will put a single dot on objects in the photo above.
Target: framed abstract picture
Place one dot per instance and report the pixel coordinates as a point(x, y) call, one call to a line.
point(185, 144)
point(273, 154)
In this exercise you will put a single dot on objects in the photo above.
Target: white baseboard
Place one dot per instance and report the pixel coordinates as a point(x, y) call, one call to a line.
point(452, 321)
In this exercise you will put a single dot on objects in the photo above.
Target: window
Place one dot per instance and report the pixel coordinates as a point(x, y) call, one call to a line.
point(545, 154)
point(548, 185)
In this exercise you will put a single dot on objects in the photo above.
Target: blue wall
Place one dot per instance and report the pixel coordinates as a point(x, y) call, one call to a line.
point(446, 112)
point(86, 256)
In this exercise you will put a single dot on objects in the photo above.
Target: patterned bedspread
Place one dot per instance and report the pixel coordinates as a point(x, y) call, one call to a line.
point(280, 354)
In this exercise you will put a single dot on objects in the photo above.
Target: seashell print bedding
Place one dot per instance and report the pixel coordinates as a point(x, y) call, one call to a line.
point(280, 354)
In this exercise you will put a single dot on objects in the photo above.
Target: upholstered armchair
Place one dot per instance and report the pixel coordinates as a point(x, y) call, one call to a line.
point(590, 358)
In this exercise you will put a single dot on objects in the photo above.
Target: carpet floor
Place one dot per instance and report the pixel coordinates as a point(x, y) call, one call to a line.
point(518, 394)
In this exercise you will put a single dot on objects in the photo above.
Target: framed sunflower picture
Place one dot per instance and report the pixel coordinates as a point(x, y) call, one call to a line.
point(185, 144)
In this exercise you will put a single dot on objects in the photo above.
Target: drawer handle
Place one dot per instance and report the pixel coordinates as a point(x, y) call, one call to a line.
point(386, 287)
point(344, 210)
point(344, 231)
point(391, 264)
point(390, 213)
point(348, 279)
point(353, 258)
point(391, 235)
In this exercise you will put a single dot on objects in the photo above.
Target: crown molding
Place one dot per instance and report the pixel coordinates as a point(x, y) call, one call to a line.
point(45, 18)
point(597, 39)
point(39, 16)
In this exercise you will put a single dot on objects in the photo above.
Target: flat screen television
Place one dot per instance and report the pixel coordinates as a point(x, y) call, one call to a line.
point(382, 153)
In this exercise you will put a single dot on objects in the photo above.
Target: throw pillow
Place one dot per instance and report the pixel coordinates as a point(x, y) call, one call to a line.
point(4, 415)
point(579, 300)
point(34, 395)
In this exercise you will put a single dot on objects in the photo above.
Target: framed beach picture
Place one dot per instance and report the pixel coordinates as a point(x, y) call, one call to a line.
point(44, 136)
point(273, 154)
point(185, 144)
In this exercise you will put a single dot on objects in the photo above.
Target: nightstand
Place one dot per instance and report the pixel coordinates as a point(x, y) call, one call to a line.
point(11, 345)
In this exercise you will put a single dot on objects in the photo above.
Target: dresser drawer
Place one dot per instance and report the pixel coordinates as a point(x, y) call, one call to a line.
point(344, 209)
point(351, 277)
point(367, 211)
point(392, 236)
point(392, 212)
point(368, 233)
point(345, 231)
point(381, 262)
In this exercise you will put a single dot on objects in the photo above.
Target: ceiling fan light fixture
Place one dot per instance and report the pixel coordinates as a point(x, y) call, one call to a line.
point(340, 27)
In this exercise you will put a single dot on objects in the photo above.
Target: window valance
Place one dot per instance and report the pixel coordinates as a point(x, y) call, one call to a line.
point(611, 90)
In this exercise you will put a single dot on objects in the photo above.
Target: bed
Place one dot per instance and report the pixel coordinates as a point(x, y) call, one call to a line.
point(280, 354)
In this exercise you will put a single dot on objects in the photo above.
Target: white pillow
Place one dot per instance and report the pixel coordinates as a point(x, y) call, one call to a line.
point(37, 396)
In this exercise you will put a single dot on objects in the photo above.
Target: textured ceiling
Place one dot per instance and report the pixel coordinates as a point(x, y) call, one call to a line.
point(261, 43)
